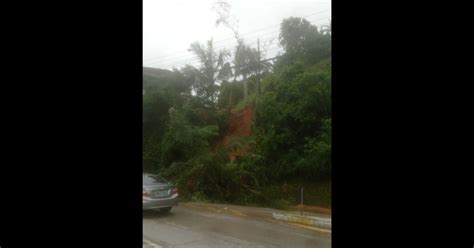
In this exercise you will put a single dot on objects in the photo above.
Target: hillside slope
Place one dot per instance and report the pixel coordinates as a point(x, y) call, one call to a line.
point(239, 125)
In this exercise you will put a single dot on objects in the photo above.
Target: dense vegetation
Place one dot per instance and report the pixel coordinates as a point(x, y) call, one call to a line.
point(186, 111)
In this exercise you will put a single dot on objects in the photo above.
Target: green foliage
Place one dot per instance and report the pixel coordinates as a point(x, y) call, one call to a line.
point(245, 60)
point(303, 41)
point(183, 140)
point(186, 110)
point(213, 67)
point(316, 161)
point(292, 113)
point(231, 93)
point(245, 102)
point(161, 92)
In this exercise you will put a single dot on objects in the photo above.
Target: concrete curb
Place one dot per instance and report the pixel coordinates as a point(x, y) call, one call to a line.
point(324, 223)
point(149, 244)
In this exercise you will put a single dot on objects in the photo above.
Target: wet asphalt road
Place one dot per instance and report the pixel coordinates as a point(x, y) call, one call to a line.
point(189, 227)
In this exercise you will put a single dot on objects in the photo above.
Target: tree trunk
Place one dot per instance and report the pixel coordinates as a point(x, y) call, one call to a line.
point(246, 88)
point(230, 99)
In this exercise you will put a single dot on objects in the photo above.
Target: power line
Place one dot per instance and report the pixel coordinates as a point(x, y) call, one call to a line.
point(253, 31)
point(214, 42)
point(276, 25)
point(231, 46)
point(196, 58)
point(177, 58)
point(267, 37)
point(180, 58)
point(186, 58)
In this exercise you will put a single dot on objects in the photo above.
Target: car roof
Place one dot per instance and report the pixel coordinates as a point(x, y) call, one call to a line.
point(155, 175)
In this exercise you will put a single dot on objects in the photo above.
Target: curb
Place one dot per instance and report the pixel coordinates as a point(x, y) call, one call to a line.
point(149, 244)
point(310, 221)
point(324, 223)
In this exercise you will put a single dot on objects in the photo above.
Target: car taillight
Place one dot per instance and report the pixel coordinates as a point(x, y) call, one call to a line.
point(174, 191)
point(145, 193)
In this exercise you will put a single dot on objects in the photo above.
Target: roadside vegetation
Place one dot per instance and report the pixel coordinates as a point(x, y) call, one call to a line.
point(189, 114)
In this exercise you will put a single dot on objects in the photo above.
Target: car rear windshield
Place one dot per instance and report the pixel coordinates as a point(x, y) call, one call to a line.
point(153, 179)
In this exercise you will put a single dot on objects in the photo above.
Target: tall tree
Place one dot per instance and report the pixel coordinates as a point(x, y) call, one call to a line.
point(302, 40)
point(245, 57)
point(245, 63)
point(213, 68)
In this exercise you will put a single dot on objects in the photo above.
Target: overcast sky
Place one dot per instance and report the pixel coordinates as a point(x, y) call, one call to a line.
point(170, 26)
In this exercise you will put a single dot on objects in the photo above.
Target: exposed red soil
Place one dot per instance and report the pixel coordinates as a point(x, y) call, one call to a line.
point(240, 125)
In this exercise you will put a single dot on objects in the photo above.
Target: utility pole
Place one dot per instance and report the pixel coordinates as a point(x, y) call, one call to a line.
point(257, 95)
point(258, 68)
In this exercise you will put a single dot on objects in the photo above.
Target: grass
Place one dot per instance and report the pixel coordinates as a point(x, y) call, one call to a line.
point(279, 196)
point(244, 103)
point(287, 194)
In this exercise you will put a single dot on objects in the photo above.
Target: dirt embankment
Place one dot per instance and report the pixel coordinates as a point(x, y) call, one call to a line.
point(239, 125)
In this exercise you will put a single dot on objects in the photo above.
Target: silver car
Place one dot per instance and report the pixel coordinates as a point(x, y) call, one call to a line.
point(158, 193)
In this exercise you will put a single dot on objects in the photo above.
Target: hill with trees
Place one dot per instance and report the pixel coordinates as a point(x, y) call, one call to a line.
point(223, 135)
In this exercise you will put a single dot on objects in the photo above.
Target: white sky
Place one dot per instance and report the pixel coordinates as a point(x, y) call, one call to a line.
point(170, 26)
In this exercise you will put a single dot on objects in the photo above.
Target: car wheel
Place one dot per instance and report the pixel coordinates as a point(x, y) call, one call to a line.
point(165, 210)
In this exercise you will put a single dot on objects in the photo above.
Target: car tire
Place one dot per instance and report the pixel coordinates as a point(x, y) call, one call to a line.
point(165, 210)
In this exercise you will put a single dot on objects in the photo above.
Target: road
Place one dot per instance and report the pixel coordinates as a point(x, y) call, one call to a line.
point(193, 227)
